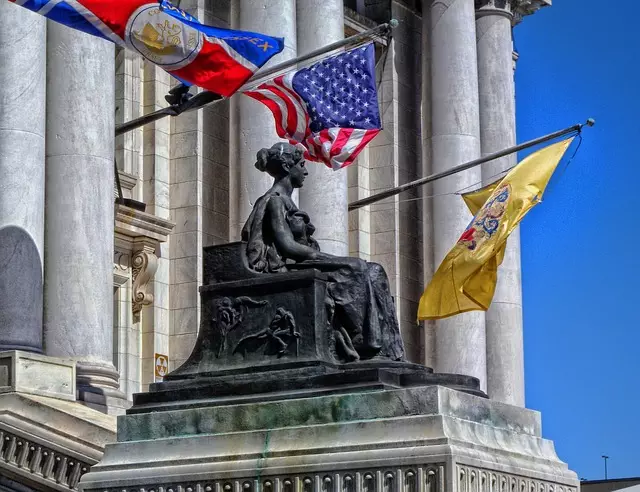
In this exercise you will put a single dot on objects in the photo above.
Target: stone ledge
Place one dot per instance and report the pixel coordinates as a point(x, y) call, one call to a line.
point(48, 443)
point(35, 374)
point(332, 409)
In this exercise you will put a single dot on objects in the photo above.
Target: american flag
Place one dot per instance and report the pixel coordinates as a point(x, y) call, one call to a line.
point(330, 108)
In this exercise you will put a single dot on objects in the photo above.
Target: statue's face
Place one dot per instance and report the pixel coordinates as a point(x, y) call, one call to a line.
point(298, 173)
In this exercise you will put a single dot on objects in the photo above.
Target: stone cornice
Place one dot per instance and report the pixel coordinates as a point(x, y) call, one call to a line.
point(134, 223)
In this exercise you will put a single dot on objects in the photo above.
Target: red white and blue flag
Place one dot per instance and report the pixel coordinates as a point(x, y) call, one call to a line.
point(330, 108)
point(219, 60)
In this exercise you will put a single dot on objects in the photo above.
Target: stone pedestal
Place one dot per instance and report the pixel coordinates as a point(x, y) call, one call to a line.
point(421, 439)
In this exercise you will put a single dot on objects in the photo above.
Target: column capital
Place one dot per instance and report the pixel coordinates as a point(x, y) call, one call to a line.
point(514, 9)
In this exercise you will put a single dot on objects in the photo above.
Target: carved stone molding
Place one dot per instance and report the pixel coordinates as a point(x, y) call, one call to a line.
point(493, 7)
point(144, 264)
point(51, 469)
point(429, 478)
point(514, 9)
point(137, 236)
point(472, 479)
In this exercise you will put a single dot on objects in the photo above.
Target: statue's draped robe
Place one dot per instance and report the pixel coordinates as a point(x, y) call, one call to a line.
point(358, 291)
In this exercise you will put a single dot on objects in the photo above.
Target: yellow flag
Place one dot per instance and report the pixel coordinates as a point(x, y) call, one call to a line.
point(466, 279)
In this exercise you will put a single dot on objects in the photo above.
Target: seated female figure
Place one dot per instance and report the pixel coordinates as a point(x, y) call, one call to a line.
point(279, 239)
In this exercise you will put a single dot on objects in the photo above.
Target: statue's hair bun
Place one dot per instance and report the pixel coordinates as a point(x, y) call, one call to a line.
point(262, 160)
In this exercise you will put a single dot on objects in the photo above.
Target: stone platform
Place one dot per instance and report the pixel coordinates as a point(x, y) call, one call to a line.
point(417, 439)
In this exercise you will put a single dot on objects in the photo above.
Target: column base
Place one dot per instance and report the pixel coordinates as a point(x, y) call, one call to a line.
point(98, 387)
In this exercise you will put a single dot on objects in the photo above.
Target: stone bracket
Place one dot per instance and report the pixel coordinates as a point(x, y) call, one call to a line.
point(138, 234)
point(144, 264)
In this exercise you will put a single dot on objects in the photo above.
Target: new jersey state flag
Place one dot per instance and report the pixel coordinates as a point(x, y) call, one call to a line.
point(466, 280)
point(219, 60)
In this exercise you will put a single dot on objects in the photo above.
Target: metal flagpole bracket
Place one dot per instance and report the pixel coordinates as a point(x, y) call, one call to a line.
point(468, 165)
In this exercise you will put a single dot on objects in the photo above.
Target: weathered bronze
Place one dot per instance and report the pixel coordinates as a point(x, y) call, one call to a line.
point(279, 238)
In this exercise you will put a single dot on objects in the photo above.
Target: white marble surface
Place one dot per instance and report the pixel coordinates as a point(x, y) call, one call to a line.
point(505, 351)
point(252, 125)
point(324, 194)
point(22, 147)
point(79, 201)
point(453, 140)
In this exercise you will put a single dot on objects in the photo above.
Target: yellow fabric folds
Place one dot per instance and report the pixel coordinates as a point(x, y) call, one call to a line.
point(466, 279)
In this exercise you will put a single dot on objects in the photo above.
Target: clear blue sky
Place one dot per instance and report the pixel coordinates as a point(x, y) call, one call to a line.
point(580, 258)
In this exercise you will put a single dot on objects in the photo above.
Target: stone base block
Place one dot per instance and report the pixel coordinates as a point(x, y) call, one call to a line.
point(420, 439)
point(34, 374)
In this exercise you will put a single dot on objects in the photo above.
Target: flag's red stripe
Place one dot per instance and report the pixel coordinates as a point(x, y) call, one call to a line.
point(213, 69)
point(115, 15)
point(341, 140)
point(273, 107)
point(292, 93)
point(368, 136)
point(290, 112)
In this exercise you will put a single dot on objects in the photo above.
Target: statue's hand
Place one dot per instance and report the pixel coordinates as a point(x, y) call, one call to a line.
point(319, 256)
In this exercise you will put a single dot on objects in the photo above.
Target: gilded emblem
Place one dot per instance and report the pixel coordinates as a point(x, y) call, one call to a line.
point(161, 38)
point(486, 222)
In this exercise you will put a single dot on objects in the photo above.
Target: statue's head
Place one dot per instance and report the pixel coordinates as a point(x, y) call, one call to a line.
point(281, 160)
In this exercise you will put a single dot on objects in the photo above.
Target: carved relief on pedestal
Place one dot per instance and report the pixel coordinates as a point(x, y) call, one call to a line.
point(144, 264)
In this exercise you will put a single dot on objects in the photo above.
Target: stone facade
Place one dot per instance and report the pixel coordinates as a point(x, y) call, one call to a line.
point(109, 287)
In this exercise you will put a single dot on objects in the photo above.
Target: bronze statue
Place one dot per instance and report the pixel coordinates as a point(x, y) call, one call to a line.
point(279, 239)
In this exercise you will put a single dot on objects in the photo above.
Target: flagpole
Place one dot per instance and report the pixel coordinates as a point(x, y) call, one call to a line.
point(468, 165)
point(204, 98)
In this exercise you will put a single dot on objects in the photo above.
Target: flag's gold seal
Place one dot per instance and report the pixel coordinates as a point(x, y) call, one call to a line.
point(487, 221)
point(161, 38)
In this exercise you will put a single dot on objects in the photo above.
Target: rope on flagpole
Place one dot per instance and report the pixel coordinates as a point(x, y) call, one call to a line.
point(490, 179)
point(468, 165)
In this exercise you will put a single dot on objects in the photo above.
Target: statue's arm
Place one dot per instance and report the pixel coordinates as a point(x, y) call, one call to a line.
point(283, 238)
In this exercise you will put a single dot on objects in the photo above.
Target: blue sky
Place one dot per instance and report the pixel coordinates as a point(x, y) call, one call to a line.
point(580, 258)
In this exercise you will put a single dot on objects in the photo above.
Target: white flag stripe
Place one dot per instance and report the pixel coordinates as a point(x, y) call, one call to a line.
point(301, 118)
point(47, 7)
point(233, 53)
point(281, 105)
point(95, 22)
point(353, 142)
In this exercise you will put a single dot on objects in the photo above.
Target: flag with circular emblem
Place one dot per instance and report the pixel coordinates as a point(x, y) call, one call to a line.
point(216, 59)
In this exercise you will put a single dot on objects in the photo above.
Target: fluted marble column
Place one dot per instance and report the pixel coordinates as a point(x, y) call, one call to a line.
point(78, 314)
point(505, 360)
point(324, 195)
point(455, 138)
point(251, 123)
point(22, 144)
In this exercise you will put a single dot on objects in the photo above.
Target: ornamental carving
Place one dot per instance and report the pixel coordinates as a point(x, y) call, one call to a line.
point(408, 479)
point(144, 264)
point(275, 340)
point(229, 313)
point(43, 465)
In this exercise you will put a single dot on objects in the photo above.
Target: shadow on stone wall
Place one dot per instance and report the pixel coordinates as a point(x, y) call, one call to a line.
point(20, 291)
